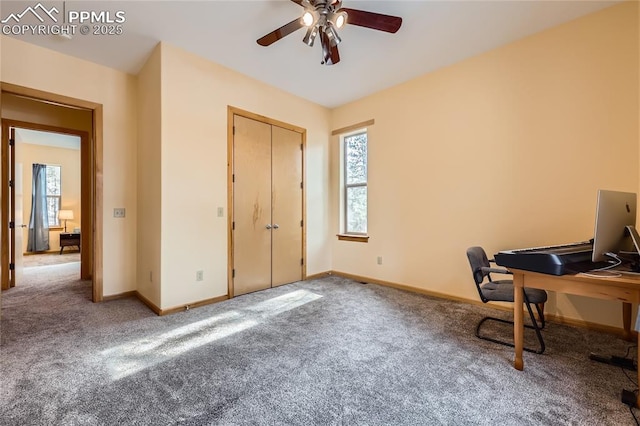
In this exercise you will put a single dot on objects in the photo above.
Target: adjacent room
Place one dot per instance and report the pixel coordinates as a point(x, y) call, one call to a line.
point(263, 212)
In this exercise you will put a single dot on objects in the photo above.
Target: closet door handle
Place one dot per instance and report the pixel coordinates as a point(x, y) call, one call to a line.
point(276, 226)
point(268, 226)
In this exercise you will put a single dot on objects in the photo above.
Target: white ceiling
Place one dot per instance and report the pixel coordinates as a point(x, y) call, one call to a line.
point(434, 34)
point(57, 140)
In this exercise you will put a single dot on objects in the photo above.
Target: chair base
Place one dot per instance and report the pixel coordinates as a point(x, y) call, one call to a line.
point(502, 342)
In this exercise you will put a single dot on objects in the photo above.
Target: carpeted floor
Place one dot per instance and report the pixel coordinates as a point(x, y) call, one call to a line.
point(321, 352)
point(45, 259)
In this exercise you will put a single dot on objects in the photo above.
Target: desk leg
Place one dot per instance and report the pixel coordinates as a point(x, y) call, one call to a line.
point(518, 325)
point(626, 321)
point(638, 368)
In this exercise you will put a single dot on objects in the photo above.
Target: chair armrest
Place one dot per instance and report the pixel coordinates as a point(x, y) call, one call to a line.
point(496, 270)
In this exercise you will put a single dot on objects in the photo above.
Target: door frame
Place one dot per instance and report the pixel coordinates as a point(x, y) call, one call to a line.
point(85, 184)
point(231, 112)
point(91, 186)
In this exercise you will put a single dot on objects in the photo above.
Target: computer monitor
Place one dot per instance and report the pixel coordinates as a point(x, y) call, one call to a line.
point(614, 212)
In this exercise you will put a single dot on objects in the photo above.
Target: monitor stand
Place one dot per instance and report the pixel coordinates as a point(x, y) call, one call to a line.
point(630, 259)
point(635, 237)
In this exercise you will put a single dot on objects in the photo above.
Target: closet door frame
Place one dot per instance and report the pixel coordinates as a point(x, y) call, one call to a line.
point(231, 112)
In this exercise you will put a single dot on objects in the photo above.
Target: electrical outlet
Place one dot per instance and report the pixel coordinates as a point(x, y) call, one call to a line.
point(379, 260)
point(118, 212)
point(199, 275)
point(220, 211)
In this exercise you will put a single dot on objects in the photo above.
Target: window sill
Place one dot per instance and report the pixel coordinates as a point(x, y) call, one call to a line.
point(56, 228)
point(354, 238)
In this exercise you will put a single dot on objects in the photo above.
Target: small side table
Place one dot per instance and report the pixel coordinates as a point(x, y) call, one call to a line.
point(69, 239)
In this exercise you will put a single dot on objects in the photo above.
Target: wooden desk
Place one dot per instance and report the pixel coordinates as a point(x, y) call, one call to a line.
point(625, 289)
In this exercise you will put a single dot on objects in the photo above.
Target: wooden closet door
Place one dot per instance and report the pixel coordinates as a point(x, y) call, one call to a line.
point(286, 202)
point(251, 205)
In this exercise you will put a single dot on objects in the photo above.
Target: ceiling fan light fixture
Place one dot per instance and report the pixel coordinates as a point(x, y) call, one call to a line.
point(332, 35)
point(308, 18)
point(311, 35)
point(339, 19)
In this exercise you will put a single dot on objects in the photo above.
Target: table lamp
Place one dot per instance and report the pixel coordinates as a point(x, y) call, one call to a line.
point(65, 214)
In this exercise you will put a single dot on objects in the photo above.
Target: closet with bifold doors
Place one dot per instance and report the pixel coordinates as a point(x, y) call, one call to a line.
point(267, 226)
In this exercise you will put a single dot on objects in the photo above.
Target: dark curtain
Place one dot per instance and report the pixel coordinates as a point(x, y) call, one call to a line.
point(39, 221)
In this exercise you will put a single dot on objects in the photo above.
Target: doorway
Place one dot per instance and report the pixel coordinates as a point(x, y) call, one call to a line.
point(47, 186)
point(266, 203)
point(39, 104)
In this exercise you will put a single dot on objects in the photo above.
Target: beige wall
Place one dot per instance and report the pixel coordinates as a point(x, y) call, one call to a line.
point(31, 111)
point(195, 97)
point(69, 161)
point(504, 150)
point(31, 66)
point(149, 179)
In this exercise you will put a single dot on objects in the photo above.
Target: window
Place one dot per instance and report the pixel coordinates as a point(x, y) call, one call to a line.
point(54, 190)
point(355, 183)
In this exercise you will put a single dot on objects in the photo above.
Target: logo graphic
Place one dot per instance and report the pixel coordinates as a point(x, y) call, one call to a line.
point(34, 11)
point(40, 20)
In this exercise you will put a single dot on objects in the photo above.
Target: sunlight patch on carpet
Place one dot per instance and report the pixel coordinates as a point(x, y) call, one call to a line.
point(133, 357)
point(284, 303)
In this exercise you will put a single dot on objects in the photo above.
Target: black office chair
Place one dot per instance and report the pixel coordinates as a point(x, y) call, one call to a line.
point(502, 291)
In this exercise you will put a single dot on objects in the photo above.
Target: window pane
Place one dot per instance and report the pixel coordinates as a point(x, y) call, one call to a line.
point(356, 158)
point(357, 209)
point(54, 190)
point(53, 205)
point(53, 180)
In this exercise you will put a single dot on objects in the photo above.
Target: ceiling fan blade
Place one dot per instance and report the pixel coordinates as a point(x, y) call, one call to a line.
point(330, 54)
point(335, 55)
point(375, 21)
point(281, 32)
point(304, 3)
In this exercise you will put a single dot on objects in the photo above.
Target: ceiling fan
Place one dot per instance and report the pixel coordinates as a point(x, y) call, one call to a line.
point(323, 18)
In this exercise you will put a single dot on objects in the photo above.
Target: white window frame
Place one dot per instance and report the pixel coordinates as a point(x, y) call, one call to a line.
point(346, 186)
point(56, 223)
